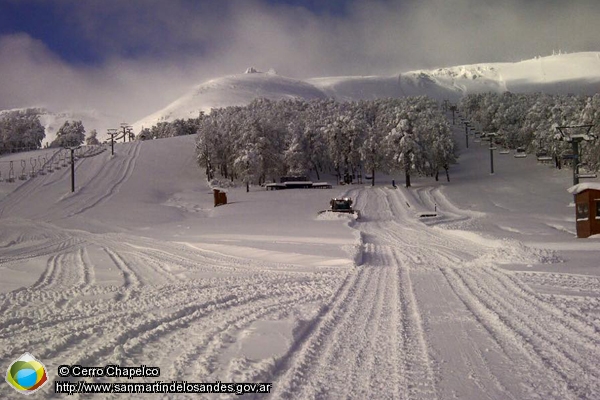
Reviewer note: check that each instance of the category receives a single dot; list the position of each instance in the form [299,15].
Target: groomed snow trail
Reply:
[430,315]
[428,312]
[159,304]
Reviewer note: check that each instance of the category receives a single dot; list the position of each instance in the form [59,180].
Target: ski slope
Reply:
[492,298]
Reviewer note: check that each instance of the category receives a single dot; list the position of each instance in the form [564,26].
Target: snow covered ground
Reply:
[492,298]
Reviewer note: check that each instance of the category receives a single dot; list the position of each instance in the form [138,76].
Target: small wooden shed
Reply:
[587,208]
[220,196]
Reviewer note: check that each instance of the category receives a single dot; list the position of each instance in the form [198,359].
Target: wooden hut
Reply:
[587,208]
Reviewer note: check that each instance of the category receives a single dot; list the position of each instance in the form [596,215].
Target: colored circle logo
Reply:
[26,375]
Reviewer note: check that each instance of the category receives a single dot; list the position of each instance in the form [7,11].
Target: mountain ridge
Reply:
[557,74]
[577,73]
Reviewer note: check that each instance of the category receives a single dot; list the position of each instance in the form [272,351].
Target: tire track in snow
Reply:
[147,330]
[353,341]
[389,356]
[39,250]
[131,280]
[88,275]
[302,365]
[564,352]
[379,349]
[548,347]
[128,169]
[579,324]
[560,345]
[219,333]
[73,325]
[49,274]
[463,340]
[572,325]
[418,366]
[526,363]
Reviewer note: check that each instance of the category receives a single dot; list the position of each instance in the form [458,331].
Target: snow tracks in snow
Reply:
[427,314]
[431,314]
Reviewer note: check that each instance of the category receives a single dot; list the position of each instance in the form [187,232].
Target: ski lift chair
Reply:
[520,152]
[23,175]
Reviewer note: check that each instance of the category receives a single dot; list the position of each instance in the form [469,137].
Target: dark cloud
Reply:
[148,52]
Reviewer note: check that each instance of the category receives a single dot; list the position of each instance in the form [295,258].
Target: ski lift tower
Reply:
[126,130]
[491,136]
[467,126]
[72,148]
[453,108]
[582,135]
[112,132]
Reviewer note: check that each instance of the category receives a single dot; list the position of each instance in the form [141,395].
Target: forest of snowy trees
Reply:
[530,121]
[269,139]
[21,130]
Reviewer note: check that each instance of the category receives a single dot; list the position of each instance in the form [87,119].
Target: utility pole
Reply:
[467,133]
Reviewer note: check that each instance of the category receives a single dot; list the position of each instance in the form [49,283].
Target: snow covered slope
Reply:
[494,297]
[231,91]
[565,73]
[374,87]
[561,74]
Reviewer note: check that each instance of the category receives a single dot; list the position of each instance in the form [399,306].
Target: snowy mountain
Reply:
[559,74]
[563,73]
[231,91]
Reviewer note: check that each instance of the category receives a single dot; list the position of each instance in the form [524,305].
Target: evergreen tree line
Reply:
[269,139]
[530,121]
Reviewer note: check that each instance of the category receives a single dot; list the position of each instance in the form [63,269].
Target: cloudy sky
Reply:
[133,57]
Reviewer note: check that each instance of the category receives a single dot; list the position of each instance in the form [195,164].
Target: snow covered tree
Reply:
[268,139]
[206,146]
[72,133]
[92,138]
[530,120]
[404,148]
[145,134]
[247,164]
[296,156]
[20,130]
